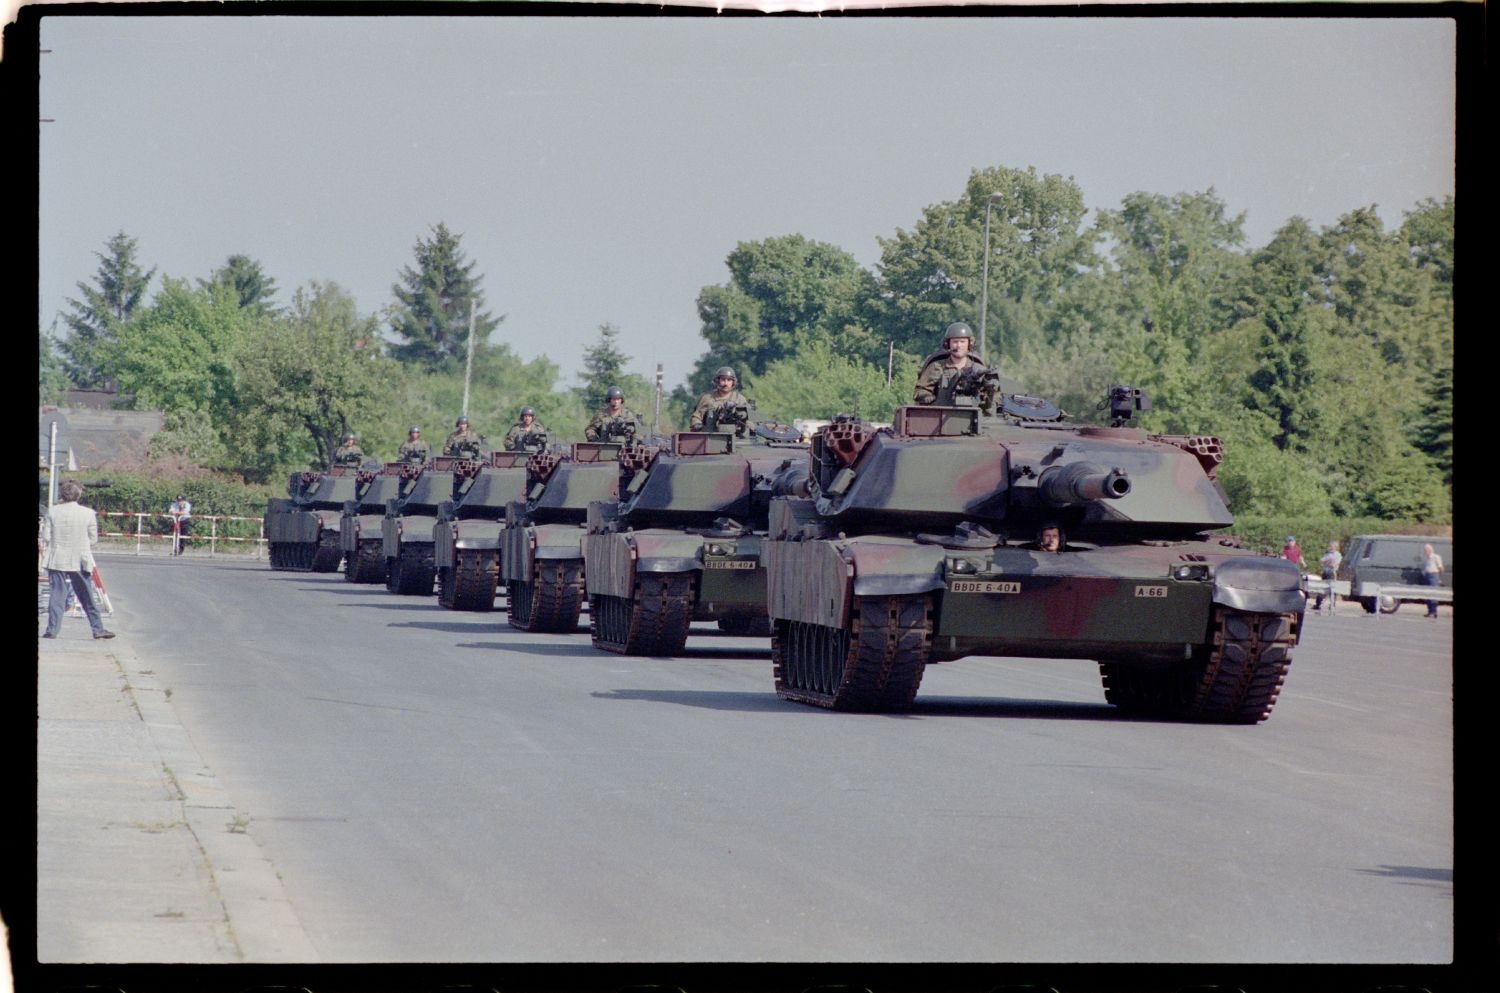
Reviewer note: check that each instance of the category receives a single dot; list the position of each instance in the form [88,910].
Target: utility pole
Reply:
[656,417]
[984,289]
[469,362]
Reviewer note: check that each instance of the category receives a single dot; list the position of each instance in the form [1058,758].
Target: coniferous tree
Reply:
[431,315]
[95,321]
[251,286]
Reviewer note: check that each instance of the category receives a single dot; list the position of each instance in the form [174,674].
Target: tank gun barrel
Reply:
[1082,482]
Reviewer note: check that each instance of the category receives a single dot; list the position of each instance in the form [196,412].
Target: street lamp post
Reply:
[984,289]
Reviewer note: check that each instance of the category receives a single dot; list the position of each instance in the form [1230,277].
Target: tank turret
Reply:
[956,533]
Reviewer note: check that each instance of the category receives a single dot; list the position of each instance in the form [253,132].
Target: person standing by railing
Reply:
[182,515]
[69,535]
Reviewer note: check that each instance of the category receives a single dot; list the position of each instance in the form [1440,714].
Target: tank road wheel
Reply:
[1234,678]
[552,601]
[367,563]
[412,572]
[393,574]
[875,664]
[746,625]
[653,622]
[327,557]
[471,582]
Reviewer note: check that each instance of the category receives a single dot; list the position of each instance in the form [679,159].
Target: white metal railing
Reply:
[1336,588]
[172,535]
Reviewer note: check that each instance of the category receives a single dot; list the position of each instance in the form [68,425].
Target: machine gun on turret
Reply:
[729,417]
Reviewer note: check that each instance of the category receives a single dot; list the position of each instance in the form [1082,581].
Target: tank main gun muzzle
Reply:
[1081,482]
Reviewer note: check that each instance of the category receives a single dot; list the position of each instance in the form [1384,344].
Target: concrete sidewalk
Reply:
[141,856]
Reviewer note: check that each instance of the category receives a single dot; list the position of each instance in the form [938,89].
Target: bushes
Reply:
[152,493]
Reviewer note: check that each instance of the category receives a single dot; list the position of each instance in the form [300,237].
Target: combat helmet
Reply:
[528,410]
[615,393]
[723,371]
[958,329]
[461,421]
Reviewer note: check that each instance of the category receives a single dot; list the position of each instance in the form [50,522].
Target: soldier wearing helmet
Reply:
[463,443]
[953,372]
[724,407]
[616,422]
[349,453]
[414,449]
[527,434]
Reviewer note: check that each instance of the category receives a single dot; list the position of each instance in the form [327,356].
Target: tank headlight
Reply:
[718,550]
[1192,572]
[963,567]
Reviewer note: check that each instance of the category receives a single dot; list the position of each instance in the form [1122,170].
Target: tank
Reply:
[407,532]
[466,537]
[302,530]
[684,541]
[542,551]
[360,536]
[919,544]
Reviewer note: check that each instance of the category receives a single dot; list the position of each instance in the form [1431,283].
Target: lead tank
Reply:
[684,541]
[466,537]
[920,544]
[302,529]
[542,558]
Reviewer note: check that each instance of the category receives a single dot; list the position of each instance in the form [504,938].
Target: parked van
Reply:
[1381,559]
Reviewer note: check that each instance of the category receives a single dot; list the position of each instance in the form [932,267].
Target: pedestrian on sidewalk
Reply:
[69,535]
[1432,574]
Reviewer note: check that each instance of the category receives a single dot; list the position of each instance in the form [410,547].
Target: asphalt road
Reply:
[437,786]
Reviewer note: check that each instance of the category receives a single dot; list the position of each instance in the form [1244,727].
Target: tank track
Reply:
[328,557]
[1234,678]
[367,564]
[875,664]
[653,622]
[470,583]
[296,557]
[552,601]
[412,571]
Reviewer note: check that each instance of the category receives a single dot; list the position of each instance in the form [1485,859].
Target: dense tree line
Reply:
[1323,360]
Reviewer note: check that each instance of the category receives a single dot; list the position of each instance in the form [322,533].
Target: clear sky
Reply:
[601,169]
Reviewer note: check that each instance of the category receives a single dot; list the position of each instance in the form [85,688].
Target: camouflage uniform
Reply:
[464,444]
[703,416]
[414,451]
[598,428]
[518,431]
[350,454]
[939,377]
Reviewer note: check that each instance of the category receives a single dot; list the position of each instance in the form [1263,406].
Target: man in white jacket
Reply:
[69,535]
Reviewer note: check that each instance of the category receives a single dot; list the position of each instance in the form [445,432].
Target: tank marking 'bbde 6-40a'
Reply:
[302,530]
[684,541]
[920,543]
[466,537]
[542,560]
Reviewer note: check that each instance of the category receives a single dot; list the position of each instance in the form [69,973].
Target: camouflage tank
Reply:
[542,559]
[408,531]
[917,546]
[466,537]
[302,530]
[360,536]
[684,541]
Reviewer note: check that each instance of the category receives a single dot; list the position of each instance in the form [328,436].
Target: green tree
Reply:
[176,354]
[247,280]
[431,313]
[95,321]
[783,293]
[818,383]
[603,367]
[52,381]
[304,380]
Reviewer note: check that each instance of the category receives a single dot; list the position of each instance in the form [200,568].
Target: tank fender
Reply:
[676,552]
[1260,585]
[895,569]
